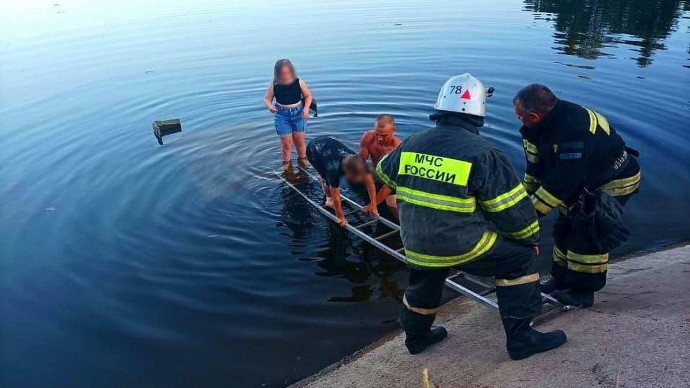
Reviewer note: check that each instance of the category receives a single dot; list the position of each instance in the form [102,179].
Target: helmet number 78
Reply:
[455,89]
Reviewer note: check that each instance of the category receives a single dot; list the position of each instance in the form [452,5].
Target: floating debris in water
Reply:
[166,127]
[212,236]
[50,209]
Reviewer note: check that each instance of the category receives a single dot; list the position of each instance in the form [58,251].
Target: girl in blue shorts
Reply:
[288,98]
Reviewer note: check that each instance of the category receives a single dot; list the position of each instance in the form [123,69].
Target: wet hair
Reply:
[535,98]
[385,119]
[353,164]
[279,66]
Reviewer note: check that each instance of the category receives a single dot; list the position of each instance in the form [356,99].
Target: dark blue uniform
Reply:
[573,149]
[326,154]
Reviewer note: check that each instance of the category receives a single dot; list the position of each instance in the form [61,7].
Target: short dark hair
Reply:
[385,119]
[279,65]
[535,98]
[354,164]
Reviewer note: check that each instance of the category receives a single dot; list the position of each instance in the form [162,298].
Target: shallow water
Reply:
[126,263]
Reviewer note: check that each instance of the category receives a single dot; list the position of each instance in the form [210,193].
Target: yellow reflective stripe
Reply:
[531,278]
[623,181]
[530,187]
[505,200]
[527,232]
[596,118]
[436,201]
[600,258]
[559,257]
[582,268]
[531,183]
[592,121]
[622,186]
[547,197]
[485,243]
[603,123]
[529,147]
[530,179]
[622,191]
[418,310]
[436,168]
[596,263]
[532,158]
[540,206]
[385,178]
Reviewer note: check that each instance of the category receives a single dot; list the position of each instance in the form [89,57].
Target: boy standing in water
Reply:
[376,143]
[333,160]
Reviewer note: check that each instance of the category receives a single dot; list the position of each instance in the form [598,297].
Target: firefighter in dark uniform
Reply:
[572,150]
[461,205]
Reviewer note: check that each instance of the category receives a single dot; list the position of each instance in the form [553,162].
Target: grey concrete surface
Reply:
[636,335]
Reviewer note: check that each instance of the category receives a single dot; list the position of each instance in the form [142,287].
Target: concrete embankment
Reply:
[636,335]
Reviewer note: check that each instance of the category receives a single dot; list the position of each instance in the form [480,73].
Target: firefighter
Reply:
[572,150]
[461,205]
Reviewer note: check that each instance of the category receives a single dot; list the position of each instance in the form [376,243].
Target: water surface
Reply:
[124,263]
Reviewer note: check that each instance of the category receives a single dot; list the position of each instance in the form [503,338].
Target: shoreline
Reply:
[646,302]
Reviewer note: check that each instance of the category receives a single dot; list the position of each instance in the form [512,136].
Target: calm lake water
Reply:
[124,263]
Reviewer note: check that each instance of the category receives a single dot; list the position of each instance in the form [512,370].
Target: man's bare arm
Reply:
[383,194]
[338,205]
[371,190]
[364,146]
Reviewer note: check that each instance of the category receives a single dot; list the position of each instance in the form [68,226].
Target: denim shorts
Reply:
[289,120]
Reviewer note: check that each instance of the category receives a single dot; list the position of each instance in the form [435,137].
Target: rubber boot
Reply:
[419,334]
[418,343]
[522,341]
[574,297]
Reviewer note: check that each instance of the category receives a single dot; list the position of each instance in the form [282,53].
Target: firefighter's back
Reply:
[433,172]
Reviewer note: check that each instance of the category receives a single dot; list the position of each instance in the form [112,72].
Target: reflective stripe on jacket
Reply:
[575,148]
[456,193]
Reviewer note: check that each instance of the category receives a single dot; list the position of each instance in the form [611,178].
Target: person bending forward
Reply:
[333,160]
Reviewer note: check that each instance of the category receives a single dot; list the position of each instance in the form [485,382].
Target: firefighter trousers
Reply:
[578,263]
[517,286]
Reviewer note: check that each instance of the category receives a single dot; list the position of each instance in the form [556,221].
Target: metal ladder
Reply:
[377,241]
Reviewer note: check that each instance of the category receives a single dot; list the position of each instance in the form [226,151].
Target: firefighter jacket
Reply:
[572,149]
[456,194]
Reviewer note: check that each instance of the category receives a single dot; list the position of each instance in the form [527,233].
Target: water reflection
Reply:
[371,273]
[585,28]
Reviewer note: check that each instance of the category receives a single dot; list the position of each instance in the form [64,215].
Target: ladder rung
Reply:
[473,279]
[351,212]
[366,224]
[479,282]
[383,236]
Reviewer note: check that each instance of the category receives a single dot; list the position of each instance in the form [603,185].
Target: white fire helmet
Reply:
[463,94]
